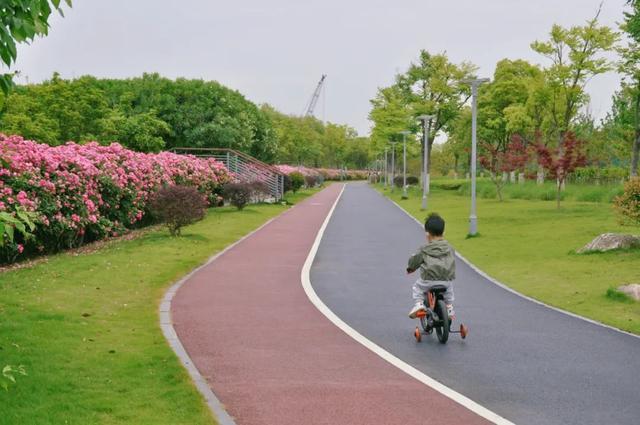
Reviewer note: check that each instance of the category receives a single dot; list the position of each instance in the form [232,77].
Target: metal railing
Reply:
[244,167]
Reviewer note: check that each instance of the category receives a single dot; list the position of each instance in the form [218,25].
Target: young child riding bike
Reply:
[436,261]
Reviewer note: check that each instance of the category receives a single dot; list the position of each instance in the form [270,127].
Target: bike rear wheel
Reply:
[442,328]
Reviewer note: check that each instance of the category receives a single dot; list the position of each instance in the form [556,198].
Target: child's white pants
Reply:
[420,287]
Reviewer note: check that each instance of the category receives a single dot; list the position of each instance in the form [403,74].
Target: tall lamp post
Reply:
[473,218]
[393,165]
[386,171]
[404,163]
[425,157]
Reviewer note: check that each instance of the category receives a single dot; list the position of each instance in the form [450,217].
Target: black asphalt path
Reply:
[526,362]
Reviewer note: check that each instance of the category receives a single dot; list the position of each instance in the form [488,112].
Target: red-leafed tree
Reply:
[560,162]
[498,161]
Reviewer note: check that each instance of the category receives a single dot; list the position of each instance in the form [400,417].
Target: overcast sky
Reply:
[275,51]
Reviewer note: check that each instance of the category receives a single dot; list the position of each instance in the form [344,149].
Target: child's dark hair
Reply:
[434,225]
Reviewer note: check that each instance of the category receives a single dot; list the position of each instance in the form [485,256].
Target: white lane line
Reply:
[405,367]
[513,291]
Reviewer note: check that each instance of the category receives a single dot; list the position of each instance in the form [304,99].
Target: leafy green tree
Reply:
[57,111]
[21,21]
[433,86]
[390,115]
[459,141]
[626,103]
[502,109]
[576,57]
[143,132]
[358,153]
[429,86]
[299,138]
[26,117]
[620,127]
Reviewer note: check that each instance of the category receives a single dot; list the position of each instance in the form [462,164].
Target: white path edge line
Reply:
[395,361]
[513,291]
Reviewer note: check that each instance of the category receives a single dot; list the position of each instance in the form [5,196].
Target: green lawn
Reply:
[529,245]
[86,329]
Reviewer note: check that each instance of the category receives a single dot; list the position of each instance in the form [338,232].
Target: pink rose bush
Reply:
[305,171]
[321,174]
[87,192]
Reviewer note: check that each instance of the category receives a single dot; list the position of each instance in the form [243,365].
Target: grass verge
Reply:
[85,326]
[530,246]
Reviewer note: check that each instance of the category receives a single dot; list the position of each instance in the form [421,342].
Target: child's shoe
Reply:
[416,308]
[450,312]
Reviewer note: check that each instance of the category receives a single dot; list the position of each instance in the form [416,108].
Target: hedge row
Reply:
[81,193]
[315,176]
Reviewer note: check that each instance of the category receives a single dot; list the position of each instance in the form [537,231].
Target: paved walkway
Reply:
[273,358]
[523,361]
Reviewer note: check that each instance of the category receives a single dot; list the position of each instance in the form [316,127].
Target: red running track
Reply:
[272,358]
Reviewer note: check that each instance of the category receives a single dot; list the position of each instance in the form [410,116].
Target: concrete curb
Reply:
[513,291]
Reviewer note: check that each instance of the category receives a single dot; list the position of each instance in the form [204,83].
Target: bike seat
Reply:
[437,289]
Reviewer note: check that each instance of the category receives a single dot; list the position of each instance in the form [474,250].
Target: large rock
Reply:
[632,290]
[610,241]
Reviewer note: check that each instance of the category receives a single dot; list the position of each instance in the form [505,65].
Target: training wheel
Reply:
[463,331]
[417,334]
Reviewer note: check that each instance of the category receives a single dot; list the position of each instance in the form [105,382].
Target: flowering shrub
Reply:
[331,173]
[318,175]
[86,192]
[305,171]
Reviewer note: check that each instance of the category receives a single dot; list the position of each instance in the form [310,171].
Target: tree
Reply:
[390,115]
[432,86]
[57,111]
[621,126]
[576,57]
[503,112]
[142,132]
[626,110]
[499,161]
[21,21]
[560,162]
[459,140]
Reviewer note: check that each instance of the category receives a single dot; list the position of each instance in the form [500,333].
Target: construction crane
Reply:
[314,98]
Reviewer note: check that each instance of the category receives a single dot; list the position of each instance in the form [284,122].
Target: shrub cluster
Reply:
[316,176]
[82,193]
[239,194]
[336,174]
[601,175]
[297,181]
[411,181]
[177,206]
[259,191]
[628,204]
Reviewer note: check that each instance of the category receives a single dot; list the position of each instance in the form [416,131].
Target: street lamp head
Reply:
[475,81]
